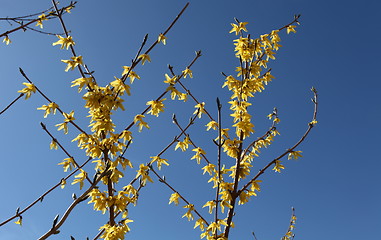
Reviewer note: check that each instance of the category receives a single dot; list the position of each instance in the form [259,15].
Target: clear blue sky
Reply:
[334,187]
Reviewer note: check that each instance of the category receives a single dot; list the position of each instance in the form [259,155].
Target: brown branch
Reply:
[54,229]
[183,130]
[63,149]
[165,92]
[6,108]
[43,195]
[50,101]
[162,180]
[23,26]
[310,126]
[59,15]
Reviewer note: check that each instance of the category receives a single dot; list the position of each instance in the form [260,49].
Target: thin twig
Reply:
[6,108]
[39,199]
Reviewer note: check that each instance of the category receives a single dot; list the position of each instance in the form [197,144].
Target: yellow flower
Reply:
[28,90]
[65,42]
[313,122]
[294,155]
[156,107]
[199,109]
[69,116]
[188,72]
[74,62]
[198,154]
[210,168]
[7,40]
[170,80]
[291,28]
[53,144]
[120,86]
[200,223]
[51,107]
[237,28]
[19,221]
[131,74]
[143,173]
[162,38]
[183,145]
[212,124]
[41,18]
[81,82]
[68,9]
[63,183]
[159,161]
[211,205]
[139,120]
[188,214]
[278,166]
[174,198]
[80,178]
[67,163]
[144,57]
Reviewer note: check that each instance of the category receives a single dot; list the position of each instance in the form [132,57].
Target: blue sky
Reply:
[334,187]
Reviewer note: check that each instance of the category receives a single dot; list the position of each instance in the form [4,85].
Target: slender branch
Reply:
[63,149]
[162,180]
[165,92]
[310,126]
[190,140]
[40,199]
[219,149]
[59,15]
[6,108]
[50,101]
[23,26]
[54,229]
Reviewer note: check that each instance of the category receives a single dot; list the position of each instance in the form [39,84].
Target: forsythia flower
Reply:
[159,161]
[120,86]
[156,107]
[143,173]
[188,72]
[81,82]
[144,58]
[294,155]
[19,221]
[65,42]
[53,144]
[198,154]
[69,116]
[212,124]
[278,166]
[237,28]
[139,119]
[211,205]
[313,122]
[170,80]
[63,183]
[7,40]
[291,28]
[41,18]
[80,178]
[188,214]
[199,109]
[174,198]
[74,62]
[183,145]
[131,74]
[67,163]
[28,90]
[51,107]
[162,38]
